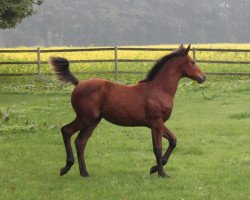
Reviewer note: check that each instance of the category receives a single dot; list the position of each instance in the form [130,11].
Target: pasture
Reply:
[211,160]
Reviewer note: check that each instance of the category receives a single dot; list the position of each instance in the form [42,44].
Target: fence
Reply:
[116,59]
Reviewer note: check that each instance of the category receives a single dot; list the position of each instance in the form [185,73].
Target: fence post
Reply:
[38,63]
[194,53]
[116,64]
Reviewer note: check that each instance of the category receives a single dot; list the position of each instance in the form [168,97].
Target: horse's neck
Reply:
[168,79]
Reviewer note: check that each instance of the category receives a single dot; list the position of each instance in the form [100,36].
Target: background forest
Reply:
[130,22]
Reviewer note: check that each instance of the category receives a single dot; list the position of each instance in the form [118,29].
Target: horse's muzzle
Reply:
[201,79]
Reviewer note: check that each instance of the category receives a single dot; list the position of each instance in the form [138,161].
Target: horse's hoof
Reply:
[153,169]
[163,175]
[64,170]
[84,174]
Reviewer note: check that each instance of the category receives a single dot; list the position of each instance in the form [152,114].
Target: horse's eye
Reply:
[193,63]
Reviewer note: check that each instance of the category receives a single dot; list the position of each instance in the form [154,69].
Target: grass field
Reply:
[211,161]
[211,122]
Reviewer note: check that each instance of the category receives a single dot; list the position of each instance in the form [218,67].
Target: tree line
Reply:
[128,22]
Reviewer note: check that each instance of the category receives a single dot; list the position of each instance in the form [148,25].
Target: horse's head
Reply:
[189,68]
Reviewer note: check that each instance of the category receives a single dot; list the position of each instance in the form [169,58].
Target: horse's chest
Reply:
[161,108]
[166,113]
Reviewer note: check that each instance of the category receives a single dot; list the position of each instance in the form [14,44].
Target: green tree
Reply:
[12,12]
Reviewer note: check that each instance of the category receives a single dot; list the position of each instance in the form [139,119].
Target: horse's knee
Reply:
[63,130]
[173,142]
[67,132]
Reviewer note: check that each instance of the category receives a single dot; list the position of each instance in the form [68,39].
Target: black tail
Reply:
[61,69]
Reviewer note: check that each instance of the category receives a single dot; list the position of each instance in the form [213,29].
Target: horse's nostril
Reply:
[201,79]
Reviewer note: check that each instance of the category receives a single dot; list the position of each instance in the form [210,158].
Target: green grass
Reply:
[211,161]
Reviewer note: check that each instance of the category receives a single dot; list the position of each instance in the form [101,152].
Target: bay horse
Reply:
[148,103]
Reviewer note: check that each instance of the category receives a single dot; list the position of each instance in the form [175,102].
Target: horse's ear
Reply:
[188,49]
[181,46]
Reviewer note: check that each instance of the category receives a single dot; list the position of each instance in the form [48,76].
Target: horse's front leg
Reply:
[157,130]
[172,144]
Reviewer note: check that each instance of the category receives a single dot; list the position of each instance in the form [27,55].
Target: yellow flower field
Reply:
[131,54]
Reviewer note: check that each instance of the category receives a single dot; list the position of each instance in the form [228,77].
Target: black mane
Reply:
[160,63]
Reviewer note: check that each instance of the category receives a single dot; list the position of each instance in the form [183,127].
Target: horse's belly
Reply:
[124,120]
[125,115]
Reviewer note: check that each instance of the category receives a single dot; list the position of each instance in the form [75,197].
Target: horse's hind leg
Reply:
[67,132]
[80,143]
